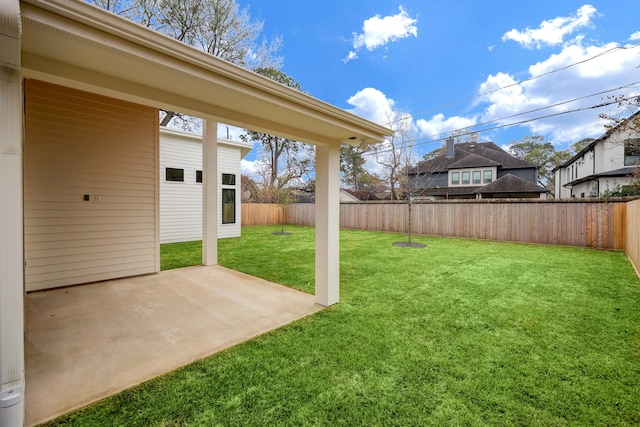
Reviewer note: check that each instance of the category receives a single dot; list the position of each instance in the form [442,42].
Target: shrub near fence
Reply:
[587,223]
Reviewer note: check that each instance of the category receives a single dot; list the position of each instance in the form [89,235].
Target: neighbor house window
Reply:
[198,176]
[632,152]
[476,177]
[228,205]
[173,174]
[455,178]
[465,177]
[488,177]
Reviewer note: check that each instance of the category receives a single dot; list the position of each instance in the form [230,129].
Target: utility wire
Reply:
[437,138]
[519,83]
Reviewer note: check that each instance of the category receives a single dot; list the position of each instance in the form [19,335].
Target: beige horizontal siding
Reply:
[75,144]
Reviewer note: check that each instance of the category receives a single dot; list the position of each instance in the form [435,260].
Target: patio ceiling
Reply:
[76,44]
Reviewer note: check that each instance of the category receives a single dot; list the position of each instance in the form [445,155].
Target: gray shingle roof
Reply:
[511,184]
[471,155]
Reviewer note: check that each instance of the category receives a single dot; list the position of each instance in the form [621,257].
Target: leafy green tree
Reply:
[577,147]
[536,150]
[351,166]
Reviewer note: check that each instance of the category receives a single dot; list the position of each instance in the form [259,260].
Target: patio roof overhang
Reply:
[72,43]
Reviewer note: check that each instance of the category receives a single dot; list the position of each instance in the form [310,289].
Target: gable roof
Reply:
[471,155]
[595,142]
[472,161]
[361,194]
[511,184]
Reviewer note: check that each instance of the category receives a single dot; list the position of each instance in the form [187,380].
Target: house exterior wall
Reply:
[181,202]
[229,163]
[436,179]
[529,174]
[81,145]
[482,183]
[607,155]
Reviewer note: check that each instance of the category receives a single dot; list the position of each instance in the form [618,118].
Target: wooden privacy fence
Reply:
[633,233]
[597,224]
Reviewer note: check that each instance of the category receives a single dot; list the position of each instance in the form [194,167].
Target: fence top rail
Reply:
[494,201]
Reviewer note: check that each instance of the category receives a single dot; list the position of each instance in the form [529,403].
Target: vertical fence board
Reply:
[609,225]
[631,221]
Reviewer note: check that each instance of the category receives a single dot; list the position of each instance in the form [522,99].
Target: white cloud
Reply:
[249,167]
[635,36]
[552,32]
[610,69]
[372,104]
[438,125]
[379,31]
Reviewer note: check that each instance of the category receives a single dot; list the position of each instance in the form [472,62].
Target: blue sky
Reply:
[432,59]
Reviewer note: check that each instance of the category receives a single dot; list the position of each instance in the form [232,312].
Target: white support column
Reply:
[327,224]
[210,193]
[11,216]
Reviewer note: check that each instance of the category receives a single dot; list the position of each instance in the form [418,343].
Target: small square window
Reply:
[198,176]
[476,177]
[488,177]
[228,179]
[173,174]
[455,178]
[465,177]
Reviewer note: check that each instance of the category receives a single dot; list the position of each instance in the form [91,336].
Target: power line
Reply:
[519,83]
[437,138]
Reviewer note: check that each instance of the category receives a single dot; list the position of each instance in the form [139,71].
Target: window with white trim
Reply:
[174,174]
[228,198]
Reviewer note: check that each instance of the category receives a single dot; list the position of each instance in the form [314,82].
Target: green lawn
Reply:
[462,332]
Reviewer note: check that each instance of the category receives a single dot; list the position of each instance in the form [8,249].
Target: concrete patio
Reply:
[87,342]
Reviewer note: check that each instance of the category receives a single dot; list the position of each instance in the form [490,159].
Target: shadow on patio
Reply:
[87,342]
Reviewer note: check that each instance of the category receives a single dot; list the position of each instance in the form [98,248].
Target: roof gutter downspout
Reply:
[12,378]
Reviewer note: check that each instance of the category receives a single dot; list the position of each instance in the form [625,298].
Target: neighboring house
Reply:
[301,195]
[347,195]
[181,186]
[80,93]
[607,164]
[475,170]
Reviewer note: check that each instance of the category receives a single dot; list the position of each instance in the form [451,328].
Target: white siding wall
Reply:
[610,154]
[228,162]
[80,144]
[181,202]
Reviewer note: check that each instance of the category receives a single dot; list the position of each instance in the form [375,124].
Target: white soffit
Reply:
[76,44]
